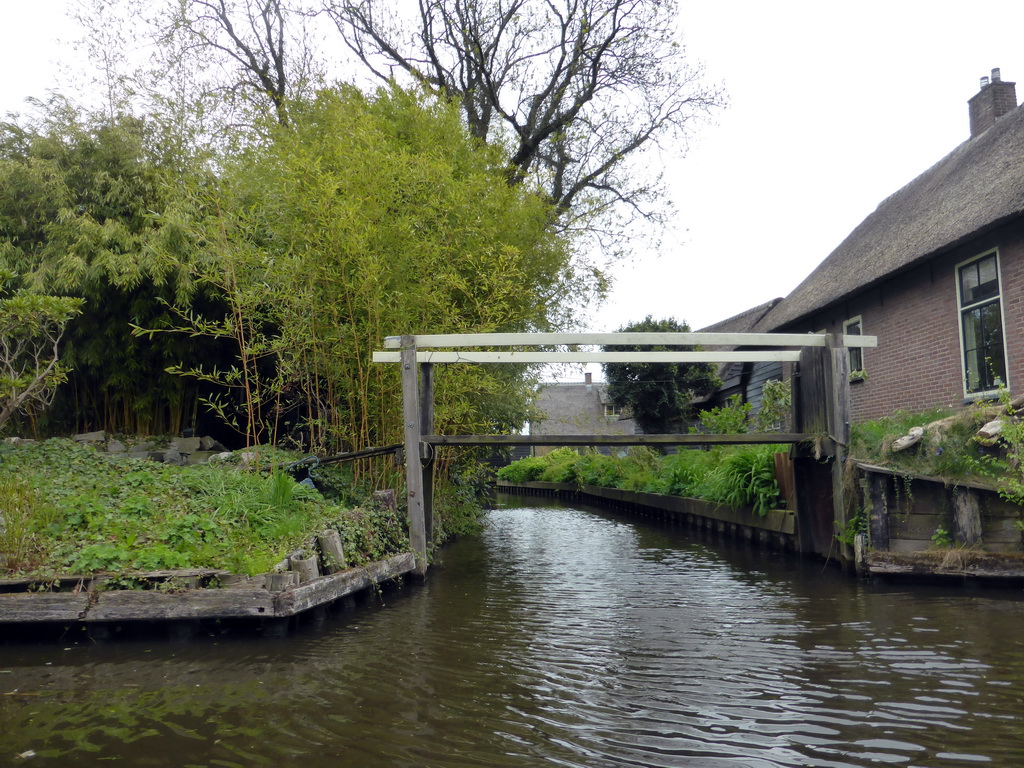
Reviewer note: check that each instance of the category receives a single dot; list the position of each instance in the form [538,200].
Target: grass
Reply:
[947,449]
[739,476]
[69,509]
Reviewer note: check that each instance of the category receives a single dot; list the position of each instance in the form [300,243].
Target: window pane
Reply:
[968,283]
[988,280]
[984,362]
[979,281]
[973,365]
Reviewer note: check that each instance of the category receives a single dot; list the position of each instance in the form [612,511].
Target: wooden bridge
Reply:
[819,377]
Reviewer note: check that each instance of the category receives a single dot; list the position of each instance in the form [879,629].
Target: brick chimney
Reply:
[995,99]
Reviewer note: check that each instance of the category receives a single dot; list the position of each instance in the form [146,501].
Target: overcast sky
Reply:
[833,107]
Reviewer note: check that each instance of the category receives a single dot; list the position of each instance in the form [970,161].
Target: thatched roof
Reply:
[977,187]
[744,322]
[576,409]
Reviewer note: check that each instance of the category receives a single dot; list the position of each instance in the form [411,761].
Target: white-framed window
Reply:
[612,412]
[979,297]
[854,327]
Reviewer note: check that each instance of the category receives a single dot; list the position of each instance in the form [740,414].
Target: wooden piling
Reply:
[413,466]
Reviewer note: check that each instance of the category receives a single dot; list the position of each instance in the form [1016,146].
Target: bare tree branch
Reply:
[253,35]
[573,88]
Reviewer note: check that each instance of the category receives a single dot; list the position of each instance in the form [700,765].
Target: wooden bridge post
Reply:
[413,465]
[821,406]
[427,427]
[839,434]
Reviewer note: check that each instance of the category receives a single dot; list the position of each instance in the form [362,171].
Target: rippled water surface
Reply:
[559,637]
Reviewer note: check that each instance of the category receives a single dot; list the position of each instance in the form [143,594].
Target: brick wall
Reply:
[990,103]
[917,365]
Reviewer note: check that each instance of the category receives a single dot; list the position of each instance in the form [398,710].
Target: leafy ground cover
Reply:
[735,475]
[70,509]
[948,447]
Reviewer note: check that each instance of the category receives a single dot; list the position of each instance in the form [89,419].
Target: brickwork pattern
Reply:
[917,365]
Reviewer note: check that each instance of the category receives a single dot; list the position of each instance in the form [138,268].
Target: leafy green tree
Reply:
[659,395]
[82,200]
[31,328]
[366,217]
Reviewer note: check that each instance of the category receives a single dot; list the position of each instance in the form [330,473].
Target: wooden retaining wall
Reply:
[919,527]
[89,604]
[776,529]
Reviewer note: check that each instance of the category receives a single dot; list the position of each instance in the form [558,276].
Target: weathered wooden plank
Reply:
[778,521]
[151,605]
[70,581]
[324,590]
[966,516]
[413,469]
[909,545]
[877,493]
[956,563]
[602,339]
[327,589]
[42,606]
[532,358]
[746,439]
[963,482]
[1000,529]
[427,426]
[921,527]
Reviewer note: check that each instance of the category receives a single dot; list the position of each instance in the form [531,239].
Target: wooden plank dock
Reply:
[87,602]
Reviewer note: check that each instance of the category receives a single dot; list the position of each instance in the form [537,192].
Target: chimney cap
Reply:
[984,82]
[996,75]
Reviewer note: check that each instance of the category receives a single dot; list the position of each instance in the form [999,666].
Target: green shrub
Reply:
[524,470]
[729,419]
[740,476]
[746,477]
[561,466]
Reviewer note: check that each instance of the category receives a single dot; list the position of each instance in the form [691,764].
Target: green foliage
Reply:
[942,538]
[560,466]
[31,328]
[524,470]
[729,419]
[1008,468]
[947,449]
[855,525]
[120,515]
[82,199]
[739,476]
[658,395]
[25,516]
[776,406]
[746,477]
[369,217]
[457,499]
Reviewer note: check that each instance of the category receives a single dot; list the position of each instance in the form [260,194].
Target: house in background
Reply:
[744,379]
[936,272]
[577,408]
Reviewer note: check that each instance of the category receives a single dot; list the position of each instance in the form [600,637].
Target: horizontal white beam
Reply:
[665,339]
[783,356]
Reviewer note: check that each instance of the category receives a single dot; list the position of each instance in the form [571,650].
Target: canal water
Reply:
[560,637]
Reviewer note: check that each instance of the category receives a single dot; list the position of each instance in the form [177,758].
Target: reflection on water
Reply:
[560,637]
